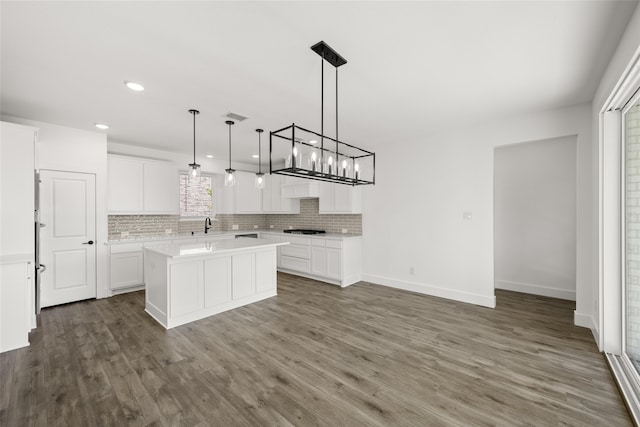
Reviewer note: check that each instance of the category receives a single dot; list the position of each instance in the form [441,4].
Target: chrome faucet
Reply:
[207,225]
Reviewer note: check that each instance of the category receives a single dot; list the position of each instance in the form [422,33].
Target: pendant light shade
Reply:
[260,176]
[194,168]
[230,175]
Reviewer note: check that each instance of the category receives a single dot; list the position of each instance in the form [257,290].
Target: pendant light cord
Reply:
[322,111]
[337,139]
[194,136]
[259,152]
[229,144]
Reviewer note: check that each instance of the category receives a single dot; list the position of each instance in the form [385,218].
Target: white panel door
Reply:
[67,241]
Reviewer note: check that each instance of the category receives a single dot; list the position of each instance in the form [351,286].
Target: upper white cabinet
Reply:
[339,199]
[142,186]
[248,198]
[272,200]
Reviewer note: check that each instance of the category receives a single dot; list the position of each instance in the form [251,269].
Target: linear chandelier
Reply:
[296,151]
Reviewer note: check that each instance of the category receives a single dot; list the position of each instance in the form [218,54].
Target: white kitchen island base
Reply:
[184,283]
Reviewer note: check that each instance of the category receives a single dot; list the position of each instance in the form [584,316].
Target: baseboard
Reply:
[422,288]
[595,331]
[582,320]
[528,288]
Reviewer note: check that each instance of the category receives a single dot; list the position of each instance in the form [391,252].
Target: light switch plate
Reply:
[167,231]
[344,231]
[124,234]
[255,226]
[467,216]
[234,227]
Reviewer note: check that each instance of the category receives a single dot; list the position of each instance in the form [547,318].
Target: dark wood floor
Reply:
[314,355]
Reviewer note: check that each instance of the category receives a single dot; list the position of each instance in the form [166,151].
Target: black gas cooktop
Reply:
[303,231]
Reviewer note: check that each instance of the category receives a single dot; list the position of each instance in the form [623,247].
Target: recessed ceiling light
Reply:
[255,156]
[210,156]
[134,86]
[101,126]
[313,141]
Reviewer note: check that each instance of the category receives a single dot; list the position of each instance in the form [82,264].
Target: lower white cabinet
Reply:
[127,265]
[127,270]
[332,260]
[16,304]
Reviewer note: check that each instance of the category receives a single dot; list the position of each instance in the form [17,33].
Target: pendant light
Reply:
[259,176]
[194,168]
[230,176]
[333,160]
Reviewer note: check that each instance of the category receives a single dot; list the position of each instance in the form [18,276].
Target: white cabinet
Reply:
[161,188]
[299,188]
[332,260]
[272,200]
[126,270]
[142,186]
[248,198]
[16,304]
[339,199]
[127,266]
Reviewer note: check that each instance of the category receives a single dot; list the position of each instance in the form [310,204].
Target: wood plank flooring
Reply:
[314,355]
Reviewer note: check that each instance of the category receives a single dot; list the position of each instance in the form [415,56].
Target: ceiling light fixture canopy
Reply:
[194,168]
[296,152]
[230,175]
[259,176]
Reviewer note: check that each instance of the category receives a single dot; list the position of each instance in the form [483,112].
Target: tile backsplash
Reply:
[158,225]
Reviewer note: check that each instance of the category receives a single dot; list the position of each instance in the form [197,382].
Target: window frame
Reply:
[213,178]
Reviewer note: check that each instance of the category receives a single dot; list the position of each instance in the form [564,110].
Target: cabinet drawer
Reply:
[296,239]
[297,264]
[126,247]
[318,242]
[297,251]
[334,243]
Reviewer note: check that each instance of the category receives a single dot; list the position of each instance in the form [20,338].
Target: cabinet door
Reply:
[124,185]
[126,270]
[326,204]
[318,260]
[244,278]
[334,263]
[186,291]
[248,197]
[266,271]
[217,281]
[161,188]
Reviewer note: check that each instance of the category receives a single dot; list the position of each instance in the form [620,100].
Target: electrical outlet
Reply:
[167,231]
[255,226]
[344,231]
[124,234]
[271,226]
[291,227]
[234,227]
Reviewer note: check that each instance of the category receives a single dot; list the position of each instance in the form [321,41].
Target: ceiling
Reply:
[413,67]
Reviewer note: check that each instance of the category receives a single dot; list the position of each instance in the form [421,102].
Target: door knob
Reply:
[90,242]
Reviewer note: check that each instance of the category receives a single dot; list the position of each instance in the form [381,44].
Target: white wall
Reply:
[68,149]
[606,324]
[535,217]
[413,216]
[16,189]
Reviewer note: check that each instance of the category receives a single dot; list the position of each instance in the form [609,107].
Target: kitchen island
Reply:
[188,282]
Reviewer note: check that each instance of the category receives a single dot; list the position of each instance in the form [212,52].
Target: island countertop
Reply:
[219,247]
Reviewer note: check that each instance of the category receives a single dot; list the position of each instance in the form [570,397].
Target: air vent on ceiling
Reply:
[234,116]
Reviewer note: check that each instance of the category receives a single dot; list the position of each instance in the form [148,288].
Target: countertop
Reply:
[188,235]
[219,247]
